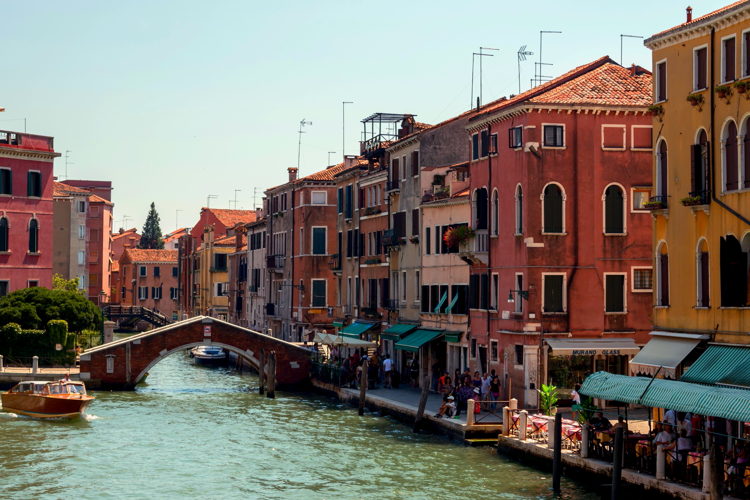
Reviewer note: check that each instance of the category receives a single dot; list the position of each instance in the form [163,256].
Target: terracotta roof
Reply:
[115,266]
[329,173]
[464,192]
[225,240]
[600,82]
[232,217]
[698,20]
[98,199]
[62,189]
[127,232]
[148,255]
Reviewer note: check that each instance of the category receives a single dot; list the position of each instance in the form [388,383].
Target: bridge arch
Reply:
[123,363]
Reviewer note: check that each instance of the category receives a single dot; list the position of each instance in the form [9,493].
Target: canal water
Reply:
[198,432]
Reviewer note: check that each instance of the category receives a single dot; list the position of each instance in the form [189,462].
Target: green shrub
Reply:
[57,330]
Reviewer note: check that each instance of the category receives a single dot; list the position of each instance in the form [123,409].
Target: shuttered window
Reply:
[318,293]
[553,209]
[614,210]
[730,158]
[33,236]
[615,293]
[728,60]
[475,147]
[703,294]
[34,184]
[699,71]
[3,234]
[663,299]
[415,163]
[427,241]
[319,240]
[399,224]
[553,293]
[6,181]
[415,222]
[661,81]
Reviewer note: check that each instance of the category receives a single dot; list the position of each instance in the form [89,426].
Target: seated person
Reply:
[448,408]
[600,423]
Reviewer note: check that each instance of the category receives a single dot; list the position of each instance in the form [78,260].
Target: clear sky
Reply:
[176,100]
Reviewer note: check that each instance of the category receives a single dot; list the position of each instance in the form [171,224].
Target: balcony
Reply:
[697,198]
[656,203]
[26,141]
[334,262]
[393,185]
[390,239]
[371,313]
[481,241]
[275,262]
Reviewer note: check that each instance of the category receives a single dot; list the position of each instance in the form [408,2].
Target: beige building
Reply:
[70,207]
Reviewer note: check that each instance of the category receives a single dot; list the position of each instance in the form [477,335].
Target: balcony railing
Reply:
[275,262]
[697,198]
[334,262]
[656,203]
[481,241]
[26,141]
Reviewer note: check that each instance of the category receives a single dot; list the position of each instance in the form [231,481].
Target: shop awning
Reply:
[338,324]
[453,335]
[725,402]
[417,339]
[666,351]
[339,340]
[721,364]
[356,329]
[395,332]
[591,347]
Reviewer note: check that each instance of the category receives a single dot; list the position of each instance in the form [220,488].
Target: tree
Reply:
[151,236]
[33,307]
[60,283]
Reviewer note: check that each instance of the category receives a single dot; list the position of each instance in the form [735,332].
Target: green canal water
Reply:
[194,432]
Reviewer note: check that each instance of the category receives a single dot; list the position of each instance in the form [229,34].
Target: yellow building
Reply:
[213,274]
[701,192]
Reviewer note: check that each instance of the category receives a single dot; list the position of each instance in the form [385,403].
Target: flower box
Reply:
[456,235]
[742,87]
[691,201]
[654,205]
[695,99]
[723,91]
[656,109]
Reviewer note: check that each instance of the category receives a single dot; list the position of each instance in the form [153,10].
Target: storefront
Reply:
[361,330]
[667,354]
[458,352]
[569,361]
[423,354]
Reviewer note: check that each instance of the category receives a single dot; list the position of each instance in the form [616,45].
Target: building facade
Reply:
[149,279]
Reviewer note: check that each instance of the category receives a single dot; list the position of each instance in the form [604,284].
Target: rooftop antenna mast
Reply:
[522,53]
[302,123]
[67,162]
[235,197]
[343,126]
[125,219]
[474,55]
[209,198]
[622,62]
[329,157]
[177,219]
[541,62]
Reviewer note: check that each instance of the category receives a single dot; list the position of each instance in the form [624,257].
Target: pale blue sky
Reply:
[173,101]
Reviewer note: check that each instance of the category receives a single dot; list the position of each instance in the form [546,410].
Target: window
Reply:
[81,207]
[614,291]
[484,146]
[34,184]
[427,241]
[319,240]
[403,286]
[733,271]
[340,200]
[494,351]
[319,198]
[640,196]
[220,289]
[33,283]
[515,137]
[142,292]
[661,173]
[399,224]
[517,299]
[395,173]
[6,181]
[554,136]
[495,213]
[662,275]
[81,232]
[519,210]
[494,292]
[554,209]
[220,262]
[348,202]
[173,293]
[142,271]
[480,209]
[415,222]
[473,349]
[415,163]
[460,294]
[33,236]
[700,68]
[175,271]
[744,180]
[701,273]
[417,285]
[110,363]
[4,241]
[81,257]
[4,288]
[519,354]
[661,81]
[318,293]
[554,293]
[729,156]
[614,210]
[475,147]
[157,271]
[728,62]
[700,165]
[643,279]
[156,292]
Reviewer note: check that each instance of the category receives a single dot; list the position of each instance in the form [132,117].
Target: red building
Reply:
[561,275]
[26,165]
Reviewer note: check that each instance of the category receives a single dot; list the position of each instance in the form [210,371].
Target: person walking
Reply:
[387,369]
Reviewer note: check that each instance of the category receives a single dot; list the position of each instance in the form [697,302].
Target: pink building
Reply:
[26,164]
[149,279]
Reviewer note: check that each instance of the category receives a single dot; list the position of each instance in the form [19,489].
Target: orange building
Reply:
[149,279]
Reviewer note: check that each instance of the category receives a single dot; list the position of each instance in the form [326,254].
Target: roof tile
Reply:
[150,255]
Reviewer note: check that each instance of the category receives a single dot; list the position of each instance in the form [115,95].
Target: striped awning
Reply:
[356,329]
[721,364]
[395,332]
[417,339]
[724,402]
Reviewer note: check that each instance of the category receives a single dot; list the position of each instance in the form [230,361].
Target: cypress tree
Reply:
[151,235]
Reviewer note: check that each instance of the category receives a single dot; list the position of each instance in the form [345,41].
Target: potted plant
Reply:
[695,99]
[656,109]
[414,239]
[654,205]
[456,235]
[584,411]
[548,398]
[742,86]
[724,91]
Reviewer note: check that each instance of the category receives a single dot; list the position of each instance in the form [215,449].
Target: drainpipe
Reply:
[713,136]
[489,232]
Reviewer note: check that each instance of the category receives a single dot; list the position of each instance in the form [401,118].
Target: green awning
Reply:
[337,324]
[417,339]
[721,364]
[453,336]
[395,332]
[724,402]
[356,329]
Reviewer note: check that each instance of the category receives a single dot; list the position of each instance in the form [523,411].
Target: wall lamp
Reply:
[524,294]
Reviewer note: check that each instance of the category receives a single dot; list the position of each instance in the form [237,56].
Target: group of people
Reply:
[380,369]
[457,391]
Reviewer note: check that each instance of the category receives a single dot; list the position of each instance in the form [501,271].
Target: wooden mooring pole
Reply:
[716,487]
[271,388]
[557,455]
[422,403]
[262,372]
[363,387]
[617,463]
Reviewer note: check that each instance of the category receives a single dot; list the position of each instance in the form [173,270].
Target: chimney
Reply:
[292,173]
[689,12]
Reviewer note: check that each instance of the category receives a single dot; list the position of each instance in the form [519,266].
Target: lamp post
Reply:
[524,294]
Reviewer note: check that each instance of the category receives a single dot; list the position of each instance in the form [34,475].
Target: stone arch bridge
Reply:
[121,364]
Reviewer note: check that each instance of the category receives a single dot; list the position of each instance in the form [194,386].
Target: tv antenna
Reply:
[302,123]
[522,53]
[235,197]
[177,219]
[125,219]
[343,126]
[329,157]
[474,55]
[67,162]
[541,63]
[622,63]
[209,198]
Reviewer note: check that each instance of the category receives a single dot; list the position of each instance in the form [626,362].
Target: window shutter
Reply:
[664,279]
[661,82]
[704,298]
[415,163]
[730,155]
[427,241]
[553,209]
[615,300]
[729,62]
[613,210]
[700,73]
[484,294]
[415,222]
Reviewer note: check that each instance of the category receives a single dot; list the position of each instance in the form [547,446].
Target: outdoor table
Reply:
[538,427]
[571,433]
[643,448]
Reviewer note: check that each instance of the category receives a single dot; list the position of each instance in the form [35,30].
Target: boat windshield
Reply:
[66,388]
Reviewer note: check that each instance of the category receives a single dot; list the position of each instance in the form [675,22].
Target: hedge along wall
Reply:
[19,345]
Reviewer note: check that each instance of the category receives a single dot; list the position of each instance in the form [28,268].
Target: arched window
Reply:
[733,272]
[700,157]
[662,275]
[33,236]
[519,210]
[746,153]
[614,210]
[701,274]
[729,156]
[480,209]
[495,213]
[3,234]
[661,173]
[552,200]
